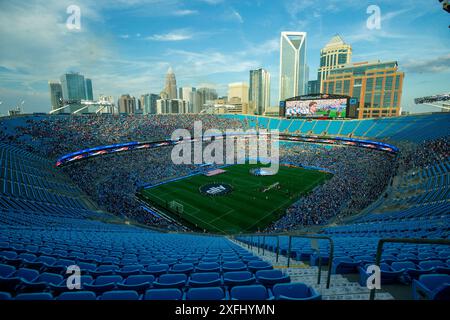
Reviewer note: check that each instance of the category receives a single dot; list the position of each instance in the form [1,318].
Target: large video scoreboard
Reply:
[317,106]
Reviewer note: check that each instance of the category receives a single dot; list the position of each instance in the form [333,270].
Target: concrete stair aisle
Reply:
[341,288]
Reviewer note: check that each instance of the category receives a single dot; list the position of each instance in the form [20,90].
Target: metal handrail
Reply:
[331,251]
[381,242]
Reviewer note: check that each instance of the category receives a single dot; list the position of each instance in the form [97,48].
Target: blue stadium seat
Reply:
[238,278]
[120,295]
[234,266]
[432,287]
[205,279]
[254,266]
[62,287]
[186,268]
[210,293]
[139,283]
[128,270]
[6,271]
[208,267]
[251,292]
[5,296]
[157,269]
[77,295]
[271,277]
[34,296]
[294,291]
[170,281]
[344,265]
[103,283]
[42,282]
[163,294]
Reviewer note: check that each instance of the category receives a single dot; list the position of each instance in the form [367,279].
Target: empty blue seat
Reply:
[34,296]
[344,266]
[132,269]
[170,281]
[251,292]
[208,267]
[211,293]
[163,294]
[120,295]
[103,283]
[234,266]
[139,283]
[388,275]
[62,287]
[42,282]
[238,278]
[205,279]
[432,287]
[254,266]
[431,264]
[186,268]
[157,269]
[271,277]
[5,296]
[294,291]
[6,270]
[77,295]
[105,269]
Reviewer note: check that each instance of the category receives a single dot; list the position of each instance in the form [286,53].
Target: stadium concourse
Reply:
[86,214]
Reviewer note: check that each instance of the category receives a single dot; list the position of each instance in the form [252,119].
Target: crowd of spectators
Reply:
[359,175]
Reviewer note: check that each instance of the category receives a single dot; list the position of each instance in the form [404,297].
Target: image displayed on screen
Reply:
[333,108]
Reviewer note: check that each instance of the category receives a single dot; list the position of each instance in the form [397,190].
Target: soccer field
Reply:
[245,209]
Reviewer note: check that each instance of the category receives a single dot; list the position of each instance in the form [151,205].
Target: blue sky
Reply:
[127,46]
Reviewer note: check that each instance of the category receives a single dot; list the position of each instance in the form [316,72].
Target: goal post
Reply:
[176,206]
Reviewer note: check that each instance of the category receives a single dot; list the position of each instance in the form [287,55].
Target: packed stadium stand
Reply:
[51,220]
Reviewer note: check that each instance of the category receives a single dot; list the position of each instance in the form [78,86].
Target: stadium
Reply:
[100,193]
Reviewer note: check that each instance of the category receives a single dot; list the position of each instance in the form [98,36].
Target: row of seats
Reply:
[291,291]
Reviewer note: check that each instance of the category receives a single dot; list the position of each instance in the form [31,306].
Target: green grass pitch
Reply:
[246,208]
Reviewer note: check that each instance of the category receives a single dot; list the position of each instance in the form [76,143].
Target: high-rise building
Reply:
[238,91]
[336,54]
[174,106]
[73,86]
[89,91]
[293,69]
[149,105]
[206,95]
[259,90]
[56,94]
[127,104]
[376,85]
[190,95]
[171,84]
[313,87]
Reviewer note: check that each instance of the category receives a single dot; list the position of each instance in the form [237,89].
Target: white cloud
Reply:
[175,35]
[185,12]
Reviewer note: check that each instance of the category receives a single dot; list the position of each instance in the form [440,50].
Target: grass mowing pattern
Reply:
[246,208]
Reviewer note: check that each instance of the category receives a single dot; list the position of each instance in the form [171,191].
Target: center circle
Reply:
[216,189]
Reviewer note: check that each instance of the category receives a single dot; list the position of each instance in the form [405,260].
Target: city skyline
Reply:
[243,36]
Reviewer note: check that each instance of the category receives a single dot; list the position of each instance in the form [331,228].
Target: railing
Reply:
[290,236]
[381,242]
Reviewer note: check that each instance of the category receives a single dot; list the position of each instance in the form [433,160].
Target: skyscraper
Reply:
[171,84]
[293,70]
[336,54]
[56,94]
[238,92]
[259,90]
[376,86]
[206,95]
[190,95]
[149,104]
[127,104]
[73,86]
[89,91]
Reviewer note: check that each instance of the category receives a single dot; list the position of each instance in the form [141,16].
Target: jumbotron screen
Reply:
[333,108]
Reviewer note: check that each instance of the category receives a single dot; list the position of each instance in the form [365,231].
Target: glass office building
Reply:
[376,85]
[293,69]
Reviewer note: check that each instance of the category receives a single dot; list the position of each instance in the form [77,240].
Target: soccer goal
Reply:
[176,206]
